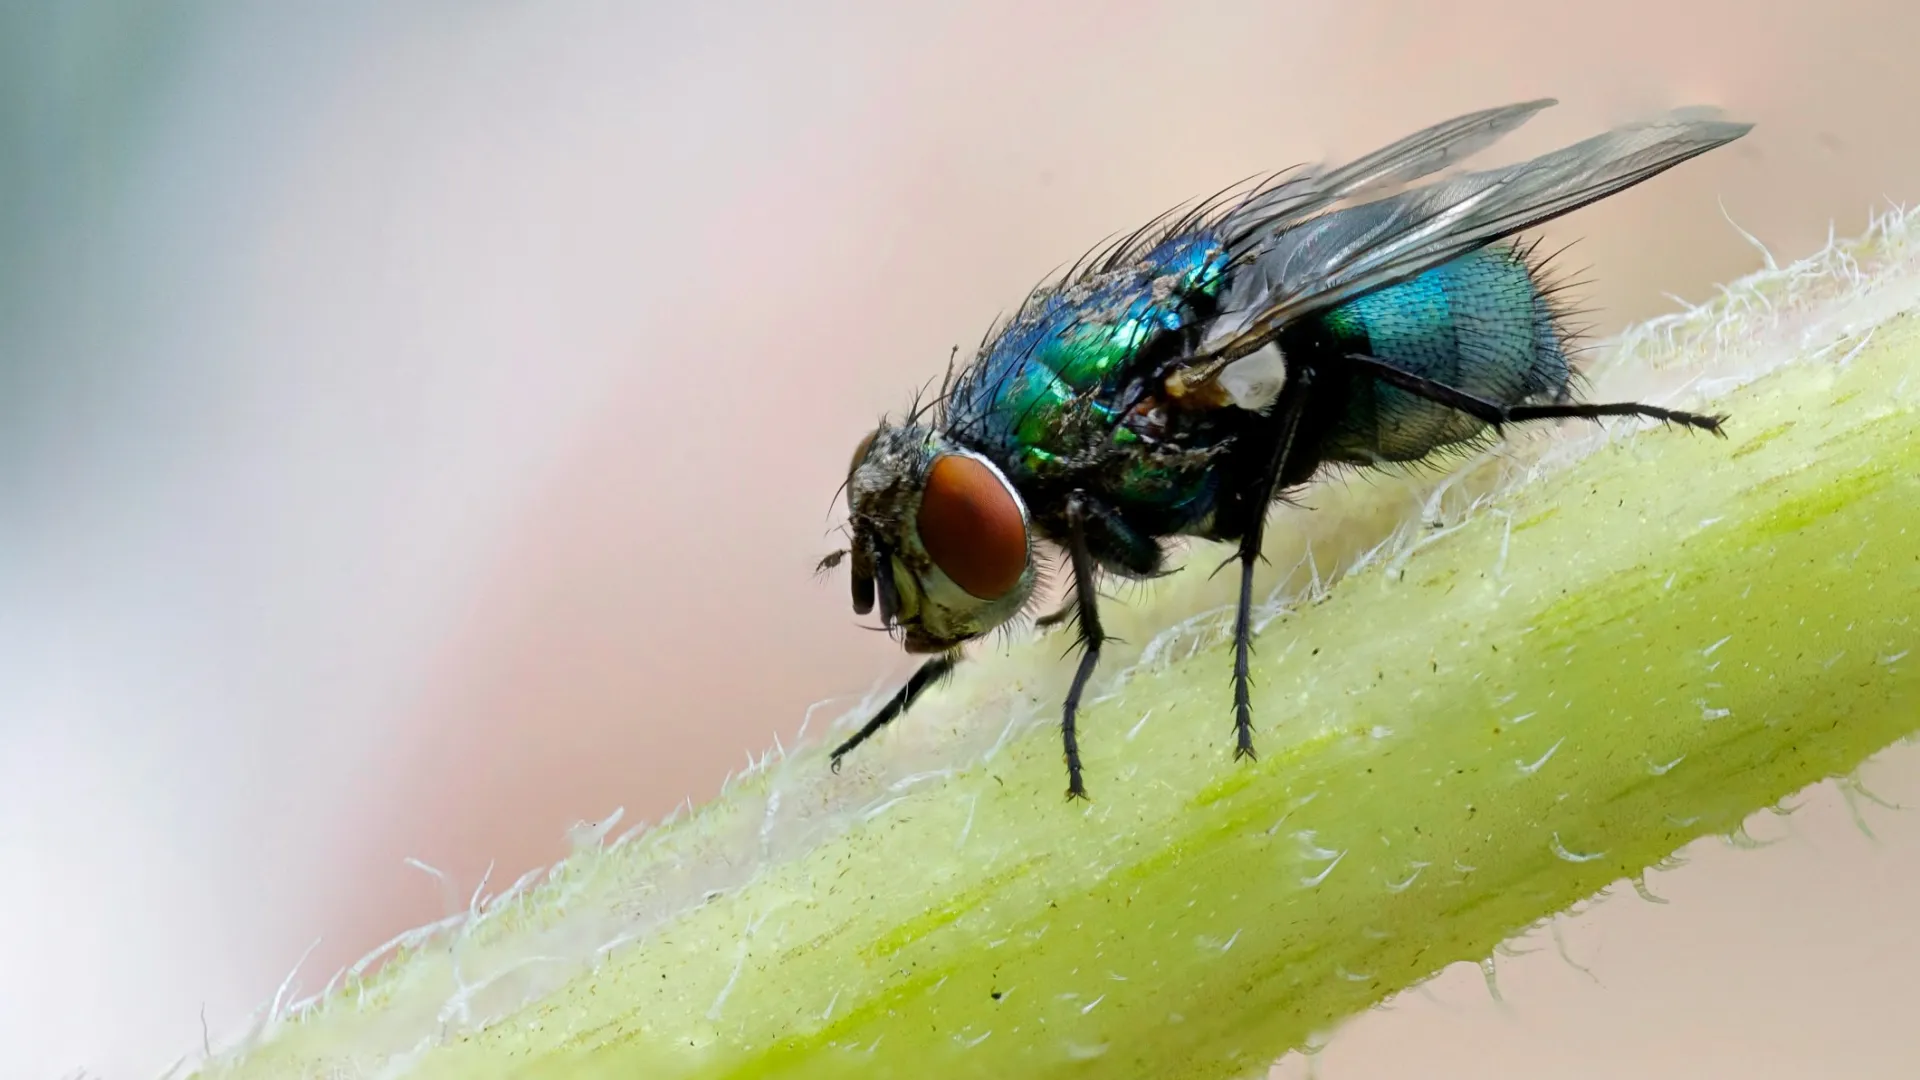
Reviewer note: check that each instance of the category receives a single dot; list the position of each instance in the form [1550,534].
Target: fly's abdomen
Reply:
[1482,324]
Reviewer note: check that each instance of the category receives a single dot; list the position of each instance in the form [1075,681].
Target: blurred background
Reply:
[418,423]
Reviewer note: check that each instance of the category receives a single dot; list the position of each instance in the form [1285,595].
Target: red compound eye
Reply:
[971,527]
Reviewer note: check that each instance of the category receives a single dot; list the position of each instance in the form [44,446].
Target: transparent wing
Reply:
[1288,267]
[1420,154]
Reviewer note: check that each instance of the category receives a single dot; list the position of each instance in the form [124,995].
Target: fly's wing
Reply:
[1420,154]
[1278,204]
[1286,268]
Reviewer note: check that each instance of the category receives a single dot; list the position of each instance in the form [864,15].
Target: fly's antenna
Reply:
[832,561]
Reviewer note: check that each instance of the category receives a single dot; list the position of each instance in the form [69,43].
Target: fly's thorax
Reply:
[941,538]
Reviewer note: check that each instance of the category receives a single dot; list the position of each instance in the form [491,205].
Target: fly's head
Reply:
[941,540]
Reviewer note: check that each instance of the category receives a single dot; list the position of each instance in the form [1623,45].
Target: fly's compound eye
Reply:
[972,528]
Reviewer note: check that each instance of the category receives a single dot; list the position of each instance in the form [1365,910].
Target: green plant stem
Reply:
[1638,650]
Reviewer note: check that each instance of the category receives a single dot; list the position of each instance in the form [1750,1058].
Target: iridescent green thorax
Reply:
[1042,392]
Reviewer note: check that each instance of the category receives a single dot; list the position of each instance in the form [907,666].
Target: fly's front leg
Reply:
[1288,413]
[928,674]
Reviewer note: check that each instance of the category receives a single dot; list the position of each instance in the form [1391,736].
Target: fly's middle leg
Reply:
[1086,604]
[1288,413]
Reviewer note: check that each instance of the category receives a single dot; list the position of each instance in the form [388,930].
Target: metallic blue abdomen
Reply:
[1481,324]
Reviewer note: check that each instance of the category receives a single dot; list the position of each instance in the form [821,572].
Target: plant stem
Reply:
[1541,701]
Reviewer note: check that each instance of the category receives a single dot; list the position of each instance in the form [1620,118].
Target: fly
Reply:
[1177,382]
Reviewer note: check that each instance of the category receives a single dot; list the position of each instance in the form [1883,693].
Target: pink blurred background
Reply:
[418,424]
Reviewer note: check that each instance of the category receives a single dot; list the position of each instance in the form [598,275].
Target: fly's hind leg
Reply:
[1498,415]
[1287,414]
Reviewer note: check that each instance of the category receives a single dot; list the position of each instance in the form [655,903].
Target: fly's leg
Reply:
[1292,405]
[1086,603]
[929,673]
[1096,537]
[1115,546]
[1048,622]
[1495,414]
